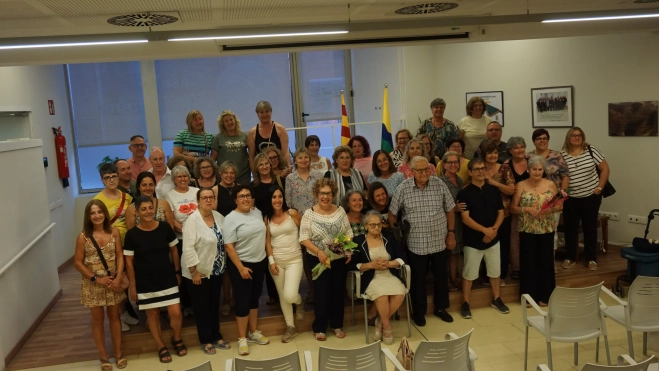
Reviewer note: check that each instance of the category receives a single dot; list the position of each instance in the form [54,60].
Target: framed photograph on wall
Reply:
[634,119]
[553,107]
[494,101]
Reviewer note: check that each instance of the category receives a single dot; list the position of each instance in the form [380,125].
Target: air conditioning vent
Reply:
[142,20]
[427,8]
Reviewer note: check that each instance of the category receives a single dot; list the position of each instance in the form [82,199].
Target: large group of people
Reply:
[238,203]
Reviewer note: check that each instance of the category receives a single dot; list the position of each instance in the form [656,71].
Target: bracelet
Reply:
[271,259]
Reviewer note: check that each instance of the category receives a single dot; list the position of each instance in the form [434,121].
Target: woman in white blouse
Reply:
[473,127]
[203,264]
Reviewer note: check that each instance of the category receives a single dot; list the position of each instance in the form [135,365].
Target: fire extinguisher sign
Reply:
[51,107]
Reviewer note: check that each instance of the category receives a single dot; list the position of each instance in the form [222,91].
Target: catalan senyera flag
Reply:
[345,129]
[386,144]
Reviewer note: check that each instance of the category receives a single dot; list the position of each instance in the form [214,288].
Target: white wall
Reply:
[33,86]
[602,69]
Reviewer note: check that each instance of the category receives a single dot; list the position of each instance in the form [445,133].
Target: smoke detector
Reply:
[426,8]
[142,20]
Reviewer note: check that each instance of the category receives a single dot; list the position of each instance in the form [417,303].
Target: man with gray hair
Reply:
[438,128]
[494,132]
[428,210]
[138,162]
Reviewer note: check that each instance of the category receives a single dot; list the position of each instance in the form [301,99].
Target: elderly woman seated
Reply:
[378,258]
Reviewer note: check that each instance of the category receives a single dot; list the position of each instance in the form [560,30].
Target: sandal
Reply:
[339,333]
[106,365]
[121,361]
[378,330]
[163,353]
[179,347]
[224,345]
[388,339]
[208,349]
[320,336]
[515,275]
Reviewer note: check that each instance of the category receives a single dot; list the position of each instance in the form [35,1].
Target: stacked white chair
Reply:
[454,354]
[631,366]
[368,358]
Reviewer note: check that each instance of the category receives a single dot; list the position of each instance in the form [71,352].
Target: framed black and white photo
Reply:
[494,101]
[553,107]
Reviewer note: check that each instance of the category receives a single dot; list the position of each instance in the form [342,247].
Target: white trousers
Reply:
[288,285]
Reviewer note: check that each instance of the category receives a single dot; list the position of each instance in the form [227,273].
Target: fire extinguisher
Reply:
[62,160]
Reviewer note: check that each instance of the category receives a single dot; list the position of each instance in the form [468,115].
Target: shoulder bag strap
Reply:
[100,254]
[119,209]
[593,157]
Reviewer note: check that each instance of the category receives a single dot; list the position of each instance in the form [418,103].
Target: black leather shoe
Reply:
[420,321]
[443,315]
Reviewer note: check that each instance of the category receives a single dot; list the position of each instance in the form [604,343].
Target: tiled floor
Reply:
[498,340]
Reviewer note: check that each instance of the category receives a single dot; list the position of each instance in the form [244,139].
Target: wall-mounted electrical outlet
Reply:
[637,219]
[612,216]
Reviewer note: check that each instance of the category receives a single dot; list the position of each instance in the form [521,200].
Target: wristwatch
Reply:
[93,279]
[598,188]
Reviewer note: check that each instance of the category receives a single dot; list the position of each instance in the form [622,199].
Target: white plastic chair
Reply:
[574,315]
[289,362]
[368,358]
[640,312]
[631,366]
[356,283]
[206,366]
[454,354]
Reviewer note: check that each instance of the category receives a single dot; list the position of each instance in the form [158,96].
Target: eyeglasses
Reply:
[576,135]
[325,193]
[182,176]
[243,197]
[402,139]
[205,167]
[452,162]
[374,225]
[424,170]
[478,169]
[111,178]
[207,198]
[138,145]
[542,139]
[273,158]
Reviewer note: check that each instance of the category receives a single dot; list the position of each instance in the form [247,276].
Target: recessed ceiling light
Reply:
[257,36]
[28,46]
[601,18]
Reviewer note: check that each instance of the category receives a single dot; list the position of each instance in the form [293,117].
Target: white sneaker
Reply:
[124,327]
[127,319]
[243,348]
[257,337]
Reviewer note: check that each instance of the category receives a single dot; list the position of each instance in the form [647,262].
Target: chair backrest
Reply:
[289,362]
[368,358]
[206,366]
[449,355]
[644,299]
[574,309]
[643,366]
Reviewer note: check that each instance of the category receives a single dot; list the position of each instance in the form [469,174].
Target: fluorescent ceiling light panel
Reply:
[28,46]
[258,36]
[601,18]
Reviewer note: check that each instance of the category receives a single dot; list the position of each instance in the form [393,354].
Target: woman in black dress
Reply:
[154,272]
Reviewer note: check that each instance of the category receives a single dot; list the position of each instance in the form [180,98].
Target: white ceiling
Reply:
[39,21]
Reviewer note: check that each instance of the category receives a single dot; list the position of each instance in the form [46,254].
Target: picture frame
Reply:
[553,107]
[634,119]
[494,101]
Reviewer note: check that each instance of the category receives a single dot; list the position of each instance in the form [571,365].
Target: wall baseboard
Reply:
[65,265]
[14,351]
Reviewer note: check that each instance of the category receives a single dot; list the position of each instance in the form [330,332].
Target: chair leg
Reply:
[352,297]
[409,316]
[597,349]
[631,344]
[549,358]
[366,320]
[576,354]
[606,345]
[526,347]
[645,343]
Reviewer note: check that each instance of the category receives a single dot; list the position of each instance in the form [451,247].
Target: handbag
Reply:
[405,354]
[124,280]
[608,189]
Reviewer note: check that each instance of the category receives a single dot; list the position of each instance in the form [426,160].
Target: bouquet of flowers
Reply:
[558,199]
[341,246]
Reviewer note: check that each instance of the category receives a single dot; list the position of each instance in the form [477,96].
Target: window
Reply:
[107,109]
[212,85]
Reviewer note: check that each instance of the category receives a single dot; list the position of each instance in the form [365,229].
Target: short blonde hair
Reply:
[220,121]
[191,116]
[298,152]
